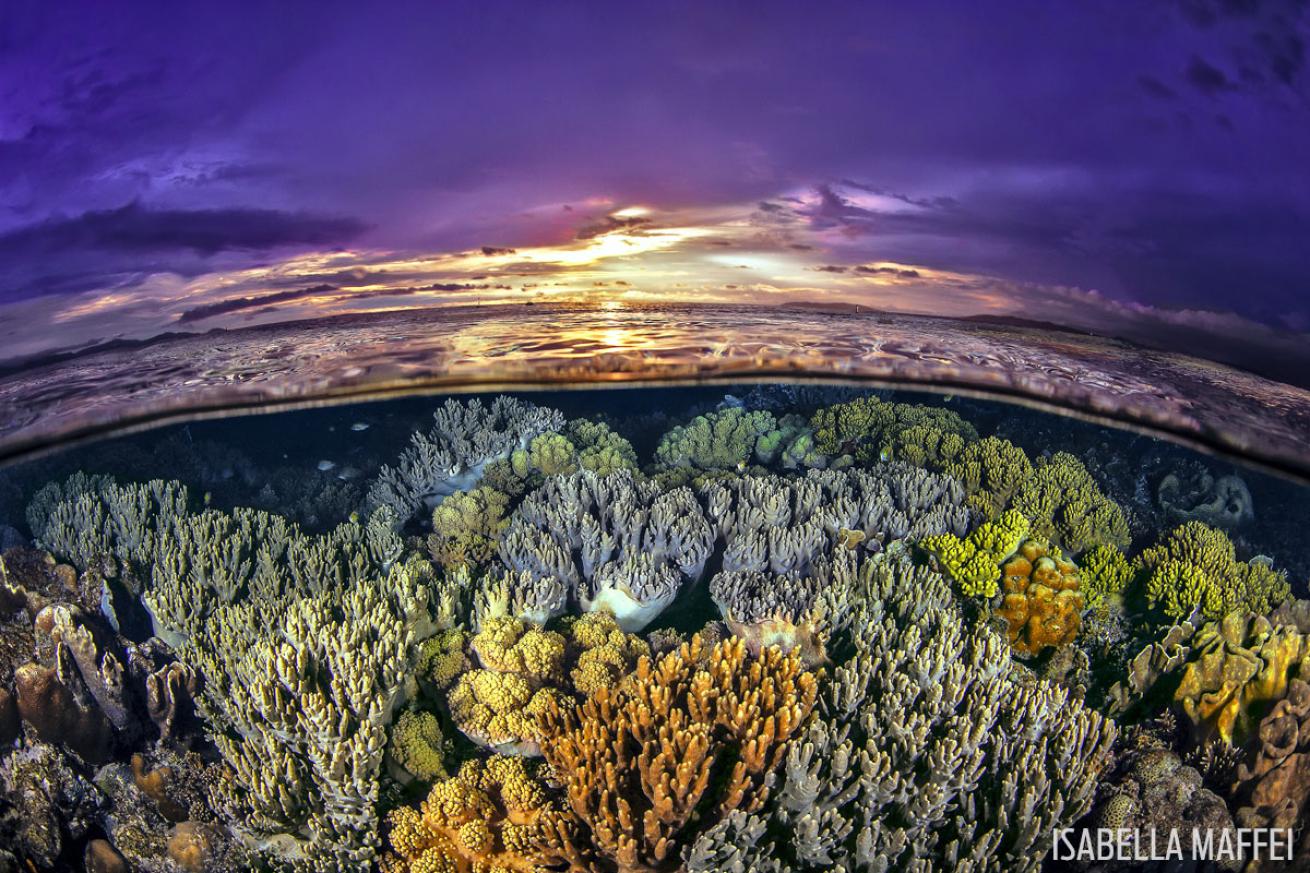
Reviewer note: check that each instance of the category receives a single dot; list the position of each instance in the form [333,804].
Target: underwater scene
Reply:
[761,627]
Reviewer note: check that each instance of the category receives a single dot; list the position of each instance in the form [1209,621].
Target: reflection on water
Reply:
[360,354]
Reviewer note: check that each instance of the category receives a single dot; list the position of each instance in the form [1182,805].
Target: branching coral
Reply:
[869,429]
[782,526]
[465,527]
[613,542]
[583,444]
[492,817]
[723,440]
[789,445]
[1066,506]
[1105,575]
[677,746]
[925,754]
[452,456]
[1195,566]
[974,562]
[1043,605]
[993,472]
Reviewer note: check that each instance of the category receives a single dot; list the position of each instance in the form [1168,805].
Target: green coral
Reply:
[869,429]
[1065,505]
[927,446]
[417,746]
[583,444]
[1195,566]
[789,445]
[993,472]
[600,449]
[723,440]
[466,525]
[974,562]
[552,454]
[1105,574]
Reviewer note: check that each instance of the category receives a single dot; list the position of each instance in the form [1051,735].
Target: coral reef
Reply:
[1272,788]
[1042,604]
[1105,575]
[452,456]
[974,562]
[1194,567]
[723,440]
[1066,506]
[1193,493]
[769,523]
[583,444]
[613,542]
[677,746]
[466,526]
[925,753]
[869,429]
[493,816]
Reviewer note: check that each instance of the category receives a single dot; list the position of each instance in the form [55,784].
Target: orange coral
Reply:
[678,744]
[1043,604]
[493,817]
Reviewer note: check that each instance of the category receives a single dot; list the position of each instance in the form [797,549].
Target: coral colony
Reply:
[849,636]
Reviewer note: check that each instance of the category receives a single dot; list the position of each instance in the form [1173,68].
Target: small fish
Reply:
[359,425]
[324,466]
[885,455]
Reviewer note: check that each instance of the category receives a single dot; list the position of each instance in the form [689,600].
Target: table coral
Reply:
[919,723]
[453,454]
[974,562]
[1195,565]
[723,440]
[491,817]
[1042,604]
[681,743]
[617,543]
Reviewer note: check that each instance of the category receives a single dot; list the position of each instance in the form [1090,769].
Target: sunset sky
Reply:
[1139,169]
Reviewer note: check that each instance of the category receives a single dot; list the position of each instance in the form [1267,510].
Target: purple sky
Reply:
[1127,167]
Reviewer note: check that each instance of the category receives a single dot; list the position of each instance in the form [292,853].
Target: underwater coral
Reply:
[800,631]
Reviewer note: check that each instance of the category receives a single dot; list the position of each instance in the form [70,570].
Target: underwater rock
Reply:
[10,721]
[452,456]
[1157,791]
[1192,493]
[102,857]
[57,715]
[49,807]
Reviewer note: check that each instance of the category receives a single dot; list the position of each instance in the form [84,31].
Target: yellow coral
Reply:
[1043,604]
[602,653]
[1105,574]
[465,526]
[491,817]
[442,658]
[993,471]
[1066,506]
[1195,565]
[974,562]
[416,745]
[507,644]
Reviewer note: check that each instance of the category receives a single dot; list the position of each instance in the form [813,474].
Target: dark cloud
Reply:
[829,268]
[921,202]
[1155,88]
[1207,78]
[610,224]
[268,302]
[491,251]
[899,272]
[138,228]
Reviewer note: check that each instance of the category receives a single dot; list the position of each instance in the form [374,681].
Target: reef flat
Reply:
[800,629]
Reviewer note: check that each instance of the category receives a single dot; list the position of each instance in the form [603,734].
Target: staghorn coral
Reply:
[782,526]
[722,440]
[452,456]
[924,754]
[1066,506]
[465,527]
[974,562]
[682,742]
[870,429]
[491,817]
[1194,566]
[1042,604]
[614,543]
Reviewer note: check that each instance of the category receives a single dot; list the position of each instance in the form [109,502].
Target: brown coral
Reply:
[493,817]
[1274,787]
[679,744]
[1043,604]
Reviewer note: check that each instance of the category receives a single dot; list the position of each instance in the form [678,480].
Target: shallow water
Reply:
[810,607]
